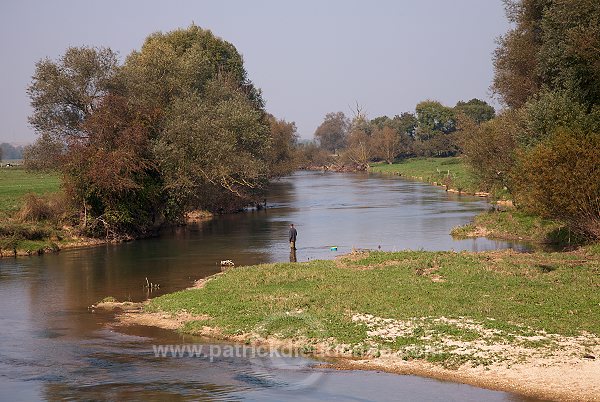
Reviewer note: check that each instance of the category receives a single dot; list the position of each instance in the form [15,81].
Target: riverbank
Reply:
[16,182]
[452,173]
[338,167]
[514,225]
[502,320]
[20,237]
[31,216]
[504,222]
[21,240]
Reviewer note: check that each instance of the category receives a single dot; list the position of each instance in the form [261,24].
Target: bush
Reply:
[37,208]
[311,155]
[560,178]
[15,231]
[549,110]
[44,154]
[490,150]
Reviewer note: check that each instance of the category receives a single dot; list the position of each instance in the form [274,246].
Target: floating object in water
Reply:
[227,263]
[333,248]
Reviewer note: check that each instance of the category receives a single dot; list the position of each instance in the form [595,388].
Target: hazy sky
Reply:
[308,57]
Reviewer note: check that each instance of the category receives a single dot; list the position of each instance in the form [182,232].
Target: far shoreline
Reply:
[82,242]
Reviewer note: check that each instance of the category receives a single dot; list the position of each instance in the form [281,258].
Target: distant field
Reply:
[15,182]
[452,171]
[11,161]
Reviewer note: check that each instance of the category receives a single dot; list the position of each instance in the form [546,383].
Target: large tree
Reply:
[547,71]
[178,127]
[477,110]
[434,118]
[174,64]
[64,93]
[555,44]
[569,55]
[516,57]
[332,133]
[219,141]
[284,141]
[214,140]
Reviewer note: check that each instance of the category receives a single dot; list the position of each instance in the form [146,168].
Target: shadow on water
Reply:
[53,347]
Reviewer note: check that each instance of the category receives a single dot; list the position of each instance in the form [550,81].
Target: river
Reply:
[52,346]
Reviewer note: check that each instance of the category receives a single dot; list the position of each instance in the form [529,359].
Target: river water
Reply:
[52,346]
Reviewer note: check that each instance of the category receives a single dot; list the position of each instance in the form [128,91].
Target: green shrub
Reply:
[9,243]
[547,111]
[560,178]
[18,232]
[490,149]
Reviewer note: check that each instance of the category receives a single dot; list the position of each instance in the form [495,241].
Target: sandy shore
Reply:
[569,370]
[554,379]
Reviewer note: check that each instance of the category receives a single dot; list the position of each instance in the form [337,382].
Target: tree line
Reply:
[9,151]
[178,126]
[431,130]
[544,148]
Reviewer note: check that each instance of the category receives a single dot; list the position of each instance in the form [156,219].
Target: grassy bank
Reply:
[24,237]
[441,307]
[35,217]
[510,224]
[452,172]
[515,225]
[16,182]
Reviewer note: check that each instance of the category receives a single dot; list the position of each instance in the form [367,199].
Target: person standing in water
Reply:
[292,235]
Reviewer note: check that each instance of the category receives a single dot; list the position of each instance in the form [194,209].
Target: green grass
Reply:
[25,237]
[509,293]
[452,171]
[28,237]
[516,225]
[15,182]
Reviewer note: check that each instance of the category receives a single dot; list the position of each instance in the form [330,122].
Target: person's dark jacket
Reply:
[293,234]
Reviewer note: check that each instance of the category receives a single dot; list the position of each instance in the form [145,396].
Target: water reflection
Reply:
[53,347]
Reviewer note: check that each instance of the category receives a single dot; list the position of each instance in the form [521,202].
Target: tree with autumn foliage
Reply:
[332,134]
[283,158]
[111,172]
[178,127]
[544,148]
